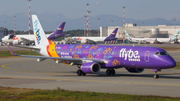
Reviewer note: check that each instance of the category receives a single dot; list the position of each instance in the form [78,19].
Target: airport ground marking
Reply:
[157,84]
[4,66]
[38,72]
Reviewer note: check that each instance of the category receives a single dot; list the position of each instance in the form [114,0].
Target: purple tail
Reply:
[112,36]
[58,32]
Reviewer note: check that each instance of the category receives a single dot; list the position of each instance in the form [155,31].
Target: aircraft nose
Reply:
[170,63]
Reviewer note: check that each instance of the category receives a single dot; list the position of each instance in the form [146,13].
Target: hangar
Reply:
[160,31]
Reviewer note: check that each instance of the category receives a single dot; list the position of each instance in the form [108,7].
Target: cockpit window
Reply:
[164,53]
[156,53]
[161,53]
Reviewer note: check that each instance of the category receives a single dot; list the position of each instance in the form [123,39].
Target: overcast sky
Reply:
[136,9]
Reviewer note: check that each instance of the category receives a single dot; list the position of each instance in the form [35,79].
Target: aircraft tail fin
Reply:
[174,37]
[40,37]
[112,36]
[128,37]
[58,32]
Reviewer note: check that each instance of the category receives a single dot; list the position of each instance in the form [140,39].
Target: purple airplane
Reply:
[58,32]
[93,58]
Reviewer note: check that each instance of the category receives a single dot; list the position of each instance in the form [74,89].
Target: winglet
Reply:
[11,51]
[58,32]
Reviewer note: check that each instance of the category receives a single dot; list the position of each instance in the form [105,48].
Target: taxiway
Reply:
[27,73]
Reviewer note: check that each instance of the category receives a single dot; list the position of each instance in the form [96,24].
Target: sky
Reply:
[72,9]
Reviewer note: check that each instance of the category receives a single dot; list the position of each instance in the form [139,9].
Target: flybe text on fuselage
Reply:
[130,55]
[37,33]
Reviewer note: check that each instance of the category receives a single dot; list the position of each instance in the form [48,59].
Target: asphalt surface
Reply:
[28,73]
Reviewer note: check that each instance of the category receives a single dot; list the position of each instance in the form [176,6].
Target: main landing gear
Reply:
[80,73]
[110,72]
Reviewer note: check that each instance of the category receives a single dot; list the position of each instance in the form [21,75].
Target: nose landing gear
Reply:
[156,75]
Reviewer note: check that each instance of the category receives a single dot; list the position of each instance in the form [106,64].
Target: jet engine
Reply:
[135,70]
[83,41]
[15,42]
[90,67]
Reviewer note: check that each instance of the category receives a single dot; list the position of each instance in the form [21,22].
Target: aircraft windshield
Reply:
[161,53]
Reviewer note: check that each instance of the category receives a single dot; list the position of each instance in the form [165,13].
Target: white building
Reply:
[160,31]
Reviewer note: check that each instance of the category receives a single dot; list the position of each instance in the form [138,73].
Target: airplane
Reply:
[93,58]
[93,40]
[152,40]
[16,39]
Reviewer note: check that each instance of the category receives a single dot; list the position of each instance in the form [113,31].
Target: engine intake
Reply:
[90,67]
[135,70]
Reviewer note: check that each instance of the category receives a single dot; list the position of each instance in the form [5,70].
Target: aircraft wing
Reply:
[25,40]
[27,47]
[91,41]
[65,59]
[59,58]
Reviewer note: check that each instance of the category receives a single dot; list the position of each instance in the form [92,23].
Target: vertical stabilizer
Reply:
[40,37]
[58,32]
[174,37]
[128,37]
[112,36]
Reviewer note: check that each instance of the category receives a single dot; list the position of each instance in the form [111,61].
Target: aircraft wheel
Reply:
[79,72]
[108,72]
[156,76]
[113,72]
[83,74]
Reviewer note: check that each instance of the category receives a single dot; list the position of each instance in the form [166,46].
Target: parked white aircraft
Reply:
[152,40]
[16,39]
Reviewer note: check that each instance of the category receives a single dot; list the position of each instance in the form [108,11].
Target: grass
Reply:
[177,65]
[16,94]
[4,54]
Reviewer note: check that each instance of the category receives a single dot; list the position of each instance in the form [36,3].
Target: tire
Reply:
[79,72]
[108,72]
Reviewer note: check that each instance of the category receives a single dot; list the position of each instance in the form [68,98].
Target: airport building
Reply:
[1,33]
[160,31]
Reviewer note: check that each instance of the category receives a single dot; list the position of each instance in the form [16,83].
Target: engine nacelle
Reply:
[15,42]
[83,41]
[135,70]
[90,67]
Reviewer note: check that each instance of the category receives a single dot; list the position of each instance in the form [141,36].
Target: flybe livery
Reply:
[152,40]
[93,58]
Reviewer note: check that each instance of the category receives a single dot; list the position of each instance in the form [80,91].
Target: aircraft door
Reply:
[146,56]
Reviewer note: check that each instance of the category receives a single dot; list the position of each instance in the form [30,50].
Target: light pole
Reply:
[111,22]
[29,16]
[98,26]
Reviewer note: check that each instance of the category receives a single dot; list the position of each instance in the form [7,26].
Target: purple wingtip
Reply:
[11,51]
